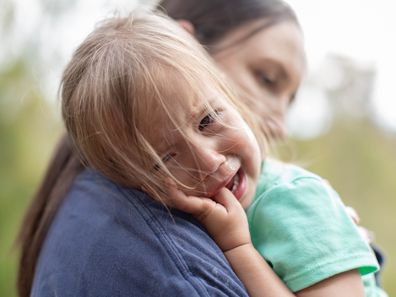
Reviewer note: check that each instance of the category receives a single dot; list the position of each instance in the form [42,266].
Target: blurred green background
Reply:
[357,156]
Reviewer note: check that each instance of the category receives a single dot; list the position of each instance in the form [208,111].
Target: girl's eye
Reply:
[165,159]
[168,157]
[207,120]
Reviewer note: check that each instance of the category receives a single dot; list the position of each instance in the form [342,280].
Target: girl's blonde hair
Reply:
[116,76]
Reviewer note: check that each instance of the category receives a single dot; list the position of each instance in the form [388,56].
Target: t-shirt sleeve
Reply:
[303,231]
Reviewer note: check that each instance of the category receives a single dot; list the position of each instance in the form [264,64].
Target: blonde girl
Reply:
[145,108]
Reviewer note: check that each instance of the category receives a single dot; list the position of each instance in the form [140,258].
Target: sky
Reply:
[363,30]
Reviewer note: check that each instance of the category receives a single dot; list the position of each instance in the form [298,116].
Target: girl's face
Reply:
[267,67]
[207,149]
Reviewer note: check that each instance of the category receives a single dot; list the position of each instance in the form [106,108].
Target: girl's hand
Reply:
[223,217]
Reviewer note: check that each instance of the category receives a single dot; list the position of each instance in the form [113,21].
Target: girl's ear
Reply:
[186,25]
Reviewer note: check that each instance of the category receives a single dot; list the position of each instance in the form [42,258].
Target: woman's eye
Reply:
[265,79]
[207,120]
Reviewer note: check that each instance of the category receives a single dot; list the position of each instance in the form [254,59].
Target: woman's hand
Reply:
[223,216]
[367,234]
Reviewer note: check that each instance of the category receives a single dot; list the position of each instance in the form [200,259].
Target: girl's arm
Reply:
[341,285]
[226,222]
[254,272]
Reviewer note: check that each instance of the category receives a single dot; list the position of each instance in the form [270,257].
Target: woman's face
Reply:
[267,68]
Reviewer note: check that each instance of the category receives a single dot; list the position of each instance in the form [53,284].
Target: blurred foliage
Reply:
[29,126]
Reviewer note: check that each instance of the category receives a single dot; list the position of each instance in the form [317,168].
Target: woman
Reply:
[258,44]
[239,35]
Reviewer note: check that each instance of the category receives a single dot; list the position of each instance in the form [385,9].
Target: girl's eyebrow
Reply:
[170,141]
[196,115]
[203,109]
[163,149]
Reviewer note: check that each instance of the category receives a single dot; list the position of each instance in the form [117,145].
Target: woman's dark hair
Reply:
[63,168]
[212,20]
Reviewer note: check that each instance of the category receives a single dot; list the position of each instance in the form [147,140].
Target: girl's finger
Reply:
[189,204]
[227,199]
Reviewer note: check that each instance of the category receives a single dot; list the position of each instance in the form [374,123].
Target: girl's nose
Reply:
[208,160]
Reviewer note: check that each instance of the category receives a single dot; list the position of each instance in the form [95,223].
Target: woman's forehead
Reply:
[260,35]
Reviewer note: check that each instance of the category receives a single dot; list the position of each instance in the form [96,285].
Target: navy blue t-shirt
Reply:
[110,241]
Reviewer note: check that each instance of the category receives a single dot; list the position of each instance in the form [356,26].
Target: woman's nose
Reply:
[281,106]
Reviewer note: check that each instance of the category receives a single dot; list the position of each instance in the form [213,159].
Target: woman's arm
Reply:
[226,222]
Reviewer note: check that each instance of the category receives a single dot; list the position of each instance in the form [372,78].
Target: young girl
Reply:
[145,107]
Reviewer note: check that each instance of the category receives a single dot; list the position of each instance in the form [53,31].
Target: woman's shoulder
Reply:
[107,238]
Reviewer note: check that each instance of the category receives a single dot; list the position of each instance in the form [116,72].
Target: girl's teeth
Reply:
[236,183]
[232,165]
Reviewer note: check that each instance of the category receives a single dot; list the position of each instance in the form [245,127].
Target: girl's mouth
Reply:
[237,185]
